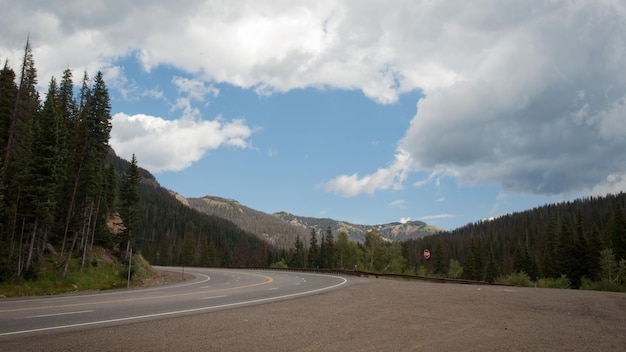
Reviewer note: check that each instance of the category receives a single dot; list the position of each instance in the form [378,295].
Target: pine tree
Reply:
[313,257]
[439,260]
[129,199]
[42,179]
[8,97]
[329,246]
[297,259]
[618,233]
[15,170]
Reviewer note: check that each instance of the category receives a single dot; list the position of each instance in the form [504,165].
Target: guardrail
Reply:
[361,273]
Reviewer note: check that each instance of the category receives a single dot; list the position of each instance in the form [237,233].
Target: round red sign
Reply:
[426,254]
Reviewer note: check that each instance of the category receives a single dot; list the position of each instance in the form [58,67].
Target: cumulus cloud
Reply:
[162,145]
[390,177]
[543,111]
[527,94]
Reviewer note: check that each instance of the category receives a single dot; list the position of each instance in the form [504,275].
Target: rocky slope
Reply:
[281,229]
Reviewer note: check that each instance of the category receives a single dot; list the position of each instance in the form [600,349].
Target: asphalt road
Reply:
[363,314]
[211,289]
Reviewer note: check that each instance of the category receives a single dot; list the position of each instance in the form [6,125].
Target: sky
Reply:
[371,112]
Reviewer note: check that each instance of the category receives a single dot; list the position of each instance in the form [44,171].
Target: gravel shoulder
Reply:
[378,315]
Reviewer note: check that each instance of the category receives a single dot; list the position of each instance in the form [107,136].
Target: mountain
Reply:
[172,232]
[280,229]
[394,231]
[269,228]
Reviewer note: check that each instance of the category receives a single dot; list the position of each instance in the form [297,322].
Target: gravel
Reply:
[377,315]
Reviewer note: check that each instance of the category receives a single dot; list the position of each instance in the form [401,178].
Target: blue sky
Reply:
[363,111]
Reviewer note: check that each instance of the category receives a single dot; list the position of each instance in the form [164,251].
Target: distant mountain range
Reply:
[281,229]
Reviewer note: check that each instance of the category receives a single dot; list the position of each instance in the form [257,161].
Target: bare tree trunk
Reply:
[85,237]
[31,246]
[42,248]
[69,255]
[128,246]
[19,256]
[95,224]
[12,246]
[71,208]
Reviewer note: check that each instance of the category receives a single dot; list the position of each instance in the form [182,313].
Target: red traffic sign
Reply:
[426,254]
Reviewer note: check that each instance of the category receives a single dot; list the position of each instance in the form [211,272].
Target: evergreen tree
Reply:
[474,264]
[297,259]
[41,182]
[439,261]
[188,249]
[328,253]
[549,266]
[618,233]
[14,173]
[313,257]
[129,199]
[8,97]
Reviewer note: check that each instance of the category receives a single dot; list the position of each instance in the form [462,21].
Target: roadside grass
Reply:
[101,272]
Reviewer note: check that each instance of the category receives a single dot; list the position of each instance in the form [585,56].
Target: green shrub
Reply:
[561,282]
[455,269]
[516,279]
[602,285]
[279,264]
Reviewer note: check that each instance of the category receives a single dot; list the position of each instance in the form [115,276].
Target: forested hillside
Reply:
[583,240]
[171,233]
[60,183]
[269,228]
[580,244]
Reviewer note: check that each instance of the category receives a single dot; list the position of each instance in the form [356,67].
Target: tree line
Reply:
[579,244]
[55,187]
[61,184]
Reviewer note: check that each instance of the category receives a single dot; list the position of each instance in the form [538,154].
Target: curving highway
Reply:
[211,289]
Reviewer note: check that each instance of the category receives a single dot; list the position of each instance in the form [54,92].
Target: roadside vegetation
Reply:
[103,272]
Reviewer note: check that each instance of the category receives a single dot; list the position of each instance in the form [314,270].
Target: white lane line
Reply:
[57,314]
[148,291]
[211,297]
[273,288]
[344,280]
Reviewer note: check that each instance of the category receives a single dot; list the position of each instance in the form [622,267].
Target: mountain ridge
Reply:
[282,228]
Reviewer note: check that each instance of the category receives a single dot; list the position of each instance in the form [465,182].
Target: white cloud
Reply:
[195,90]
[162,145]
[382,179]
[400,203]
[404,220]
[437,216]
[526,94]
[542,112]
